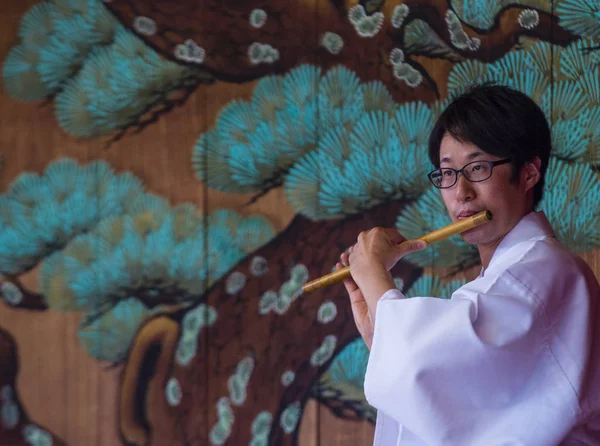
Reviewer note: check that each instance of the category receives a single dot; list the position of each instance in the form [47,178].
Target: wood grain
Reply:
[60,385]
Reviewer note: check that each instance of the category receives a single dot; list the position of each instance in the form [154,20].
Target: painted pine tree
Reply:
[337,144]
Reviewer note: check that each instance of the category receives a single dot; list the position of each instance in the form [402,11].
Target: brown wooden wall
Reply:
[61,387]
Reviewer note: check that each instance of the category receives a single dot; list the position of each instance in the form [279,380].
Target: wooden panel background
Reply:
[60,386]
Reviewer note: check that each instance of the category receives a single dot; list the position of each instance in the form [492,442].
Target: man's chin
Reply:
[470,240]
[473,236]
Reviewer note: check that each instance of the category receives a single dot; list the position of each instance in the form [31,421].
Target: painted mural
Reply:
[204,310]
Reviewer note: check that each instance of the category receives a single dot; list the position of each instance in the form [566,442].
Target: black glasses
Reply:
[475,171]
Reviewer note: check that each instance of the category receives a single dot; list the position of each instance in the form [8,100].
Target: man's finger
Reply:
[361,236]
[349,283]
[412,246]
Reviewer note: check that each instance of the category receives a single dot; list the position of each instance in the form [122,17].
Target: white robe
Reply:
[513,358]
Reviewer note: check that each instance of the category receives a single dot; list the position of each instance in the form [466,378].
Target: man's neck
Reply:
[486,252]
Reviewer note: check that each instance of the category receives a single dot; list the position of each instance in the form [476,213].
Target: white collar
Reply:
[533,225]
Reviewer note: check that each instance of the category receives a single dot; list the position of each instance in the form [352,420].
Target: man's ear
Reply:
[532,173]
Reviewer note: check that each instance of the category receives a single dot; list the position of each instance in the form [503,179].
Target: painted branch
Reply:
[15,424]
[296,31]
[496,41]
[354,408]
[14,294]
[160,333]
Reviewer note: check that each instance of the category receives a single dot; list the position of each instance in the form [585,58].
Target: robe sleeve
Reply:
[445,369]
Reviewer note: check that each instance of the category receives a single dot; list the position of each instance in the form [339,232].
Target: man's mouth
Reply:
[465,214]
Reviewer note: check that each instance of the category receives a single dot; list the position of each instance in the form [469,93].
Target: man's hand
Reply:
[370,259]
[384,247]
[360,311]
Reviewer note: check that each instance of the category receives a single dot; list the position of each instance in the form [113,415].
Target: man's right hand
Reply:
[360,310]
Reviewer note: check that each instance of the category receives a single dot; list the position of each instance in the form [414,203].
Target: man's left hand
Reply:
[373,256]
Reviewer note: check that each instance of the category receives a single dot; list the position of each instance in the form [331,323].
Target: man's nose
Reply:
[464,189]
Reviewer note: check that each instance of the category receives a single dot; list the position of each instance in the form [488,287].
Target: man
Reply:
[513,358]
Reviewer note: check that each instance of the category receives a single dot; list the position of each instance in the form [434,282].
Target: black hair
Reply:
[500,121]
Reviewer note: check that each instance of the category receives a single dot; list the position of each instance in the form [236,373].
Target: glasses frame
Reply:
[492,164]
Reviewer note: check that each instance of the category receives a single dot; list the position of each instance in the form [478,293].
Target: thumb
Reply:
[412,246]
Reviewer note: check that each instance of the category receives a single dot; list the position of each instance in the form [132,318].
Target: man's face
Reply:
[507,201]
